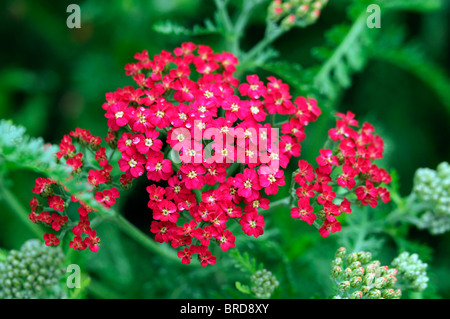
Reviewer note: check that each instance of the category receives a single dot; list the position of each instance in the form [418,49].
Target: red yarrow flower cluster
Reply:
[51,206]
[183,101]
[344,171]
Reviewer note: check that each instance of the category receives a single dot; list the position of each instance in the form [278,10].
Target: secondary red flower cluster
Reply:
[181,97]
[54,196]
[348,165]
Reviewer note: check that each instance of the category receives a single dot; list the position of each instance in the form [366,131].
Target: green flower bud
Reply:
[302,11]
[344,286]
[356,295]
[373,267]
[347,273]
[398,294]
[336,262]
[380,282]
[352,258]
[365,289]
[388,293]
[364,257]
[374,294]
[336,272]
[355,282]
[288,22]
[369,278]
[355,265]
[358,272]
[341,252]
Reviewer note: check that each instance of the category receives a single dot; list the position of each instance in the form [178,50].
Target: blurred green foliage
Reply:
[53,79]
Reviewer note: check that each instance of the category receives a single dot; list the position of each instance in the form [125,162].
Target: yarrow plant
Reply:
[211,152]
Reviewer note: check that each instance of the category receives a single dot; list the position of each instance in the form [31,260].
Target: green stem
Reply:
[17,208]
[112,154]
[284,202]
[270,36]
[240,25]
[226,21]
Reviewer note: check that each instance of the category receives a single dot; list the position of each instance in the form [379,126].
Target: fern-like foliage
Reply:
[18,150]
[246,263]
[350,46]
[172,28]
[346,53]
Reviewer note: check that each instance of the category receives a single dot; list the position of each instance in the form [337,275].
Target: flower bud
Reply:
[352,258]
[336,272]
[344,286]
[356,295]
[380,282]
[374,294]
[388,293]
[288,22]
[302,11]
[358,272]
[341,252]
[369,278]
[347,273]
[355,265]
[355,282]
[336,262]
[364,257]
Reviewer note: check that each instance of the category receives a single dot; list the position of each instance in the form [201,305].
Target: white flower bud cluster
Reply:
[263,284]
[358,277]
[433,187]
[32,272]
[411,271]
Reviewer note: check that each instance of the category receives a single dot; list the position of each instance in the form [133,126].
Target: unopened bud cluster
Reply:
[32,272]
[358,277]
[411,271]
[433,187]
[263,284]
[295,12]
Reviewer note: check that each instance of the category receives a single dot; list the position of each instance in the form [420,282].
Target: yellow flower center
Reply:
[118,115]
[132,163]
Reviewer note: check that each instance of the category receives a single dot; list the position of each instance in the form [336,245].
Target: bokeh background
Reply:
[53,79]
